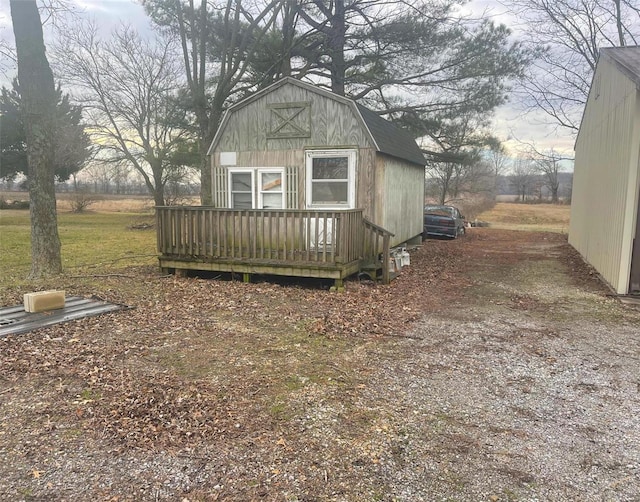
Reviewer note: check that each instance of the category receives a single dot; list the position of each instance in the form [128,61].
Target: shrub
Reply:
[14,204]
[80,201]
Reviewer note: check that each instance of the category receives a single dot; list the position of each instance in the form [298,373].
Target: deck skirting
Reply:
[264,267]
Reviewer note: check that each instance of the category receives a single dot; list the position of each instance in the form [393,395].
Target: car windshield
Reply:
[449,211]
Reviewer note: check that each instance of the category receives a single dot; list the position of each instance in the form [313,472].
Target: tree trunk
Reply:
[38,109]
[337,36]
[206,198]
[619,24]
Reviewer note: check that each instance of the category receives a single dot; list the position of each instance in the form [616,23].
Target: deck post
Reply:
[386,255]
[246,277]
[338,286]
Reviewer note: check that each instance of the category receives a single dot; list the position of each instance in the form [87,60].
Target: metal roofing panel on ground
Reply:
[14,320]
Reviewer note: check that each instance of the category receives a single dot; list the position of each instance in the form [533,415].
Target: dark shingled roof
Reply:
[627,59]
[391,139]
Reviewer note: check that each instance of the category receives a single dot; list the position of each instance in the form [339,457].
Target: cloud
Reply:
[516,129]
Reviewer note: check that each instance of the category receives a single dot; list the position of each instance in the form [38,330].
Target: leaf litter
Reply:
[460,380]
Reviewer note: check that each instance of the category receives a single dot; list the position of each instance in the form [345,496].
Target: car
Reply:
[443,221]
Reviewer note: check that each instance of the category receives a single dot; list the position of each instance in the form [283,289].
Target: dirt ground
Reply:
[495,368]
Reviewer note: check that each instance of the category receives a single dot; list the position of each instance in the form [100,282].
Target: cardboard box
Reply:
[41,301]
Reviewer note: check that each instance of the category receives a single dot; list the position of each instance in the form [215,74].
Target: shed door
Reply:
[330,184]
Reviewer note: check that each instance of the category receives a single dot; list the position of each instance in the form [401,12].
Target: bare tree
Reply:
[128,87]
[523,177]
[568,35]
[498,162]
[218,43]
[461,176]
[549,165]
[50,14]
[38,108]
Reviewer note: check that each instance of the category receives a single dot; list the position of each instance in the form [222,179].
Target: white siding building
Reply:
[606,182]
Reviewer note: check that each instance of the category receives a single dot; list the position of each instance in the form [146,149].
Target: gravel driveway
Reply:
[519,380]
[527,388]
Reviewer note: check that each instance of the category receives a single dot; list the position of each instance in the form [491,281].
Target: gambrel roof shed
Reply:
[304,183]
[305,132]
[604,225]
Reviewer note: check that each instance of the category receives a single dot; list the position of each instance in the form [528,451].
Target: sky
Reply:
[511,126]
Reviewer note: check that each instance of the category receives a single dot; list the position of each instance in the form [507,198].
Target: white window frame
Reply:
[256,190]
[270,170]
[351,155]
[253,184]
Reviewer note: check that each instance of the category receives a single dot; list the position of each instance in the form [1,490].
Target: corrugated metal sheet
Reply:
[14,320]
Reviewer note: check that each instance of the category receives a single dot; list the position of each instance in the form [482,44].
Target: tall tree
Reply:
[417,56]
[72,145]
[218,44]
[128,87]
[570,33]
[409,59]
[454,158]
[419,64]
[498,161]
[38,97]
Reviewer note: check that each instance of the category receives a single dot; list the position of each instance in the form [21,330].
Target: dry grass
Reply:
[90,240]
[532,217]
[102,203]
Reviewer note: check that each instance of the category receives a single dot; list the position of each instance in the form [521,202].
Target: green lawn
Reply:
[89,240]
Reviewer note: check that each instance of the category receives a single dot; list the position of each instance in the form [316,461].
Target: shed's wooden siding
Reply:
[605,182]
[332,124]
[400,198]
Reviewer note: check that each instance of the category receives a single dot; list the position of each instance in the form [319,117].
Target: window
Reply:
[267,193]
[241,189]
[331,179]
[271,194]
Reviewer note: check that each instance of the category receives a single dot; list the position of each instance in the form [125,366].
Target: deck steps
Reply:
[373,270]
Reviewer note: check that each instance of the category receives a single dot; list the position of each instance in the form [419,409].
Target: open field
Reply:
[532,217]
[99,202]
[494,368]
[90,241]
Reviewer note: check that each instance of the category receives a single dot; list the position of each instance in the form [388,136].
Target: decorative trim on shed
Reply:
[220,186]
[289,120]
[291,175]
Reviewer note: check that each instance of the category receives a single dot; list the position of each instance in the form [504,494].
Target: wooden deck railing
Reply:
[377,242]
[200,232]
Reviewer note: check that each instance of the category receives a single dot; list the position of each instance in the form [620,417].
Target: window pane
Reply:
[271,182]
[272,201]
[323,192]
[330,168]
[241,182]
[241,201]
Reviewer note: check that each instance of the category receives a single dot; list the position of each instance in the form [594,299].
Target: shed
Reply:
[307,183]
[606,183]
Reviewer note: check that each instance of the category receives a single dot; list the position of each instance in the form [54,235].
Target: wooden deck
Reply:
[322,244]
